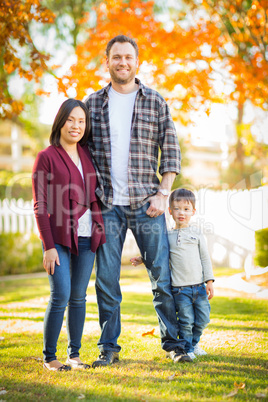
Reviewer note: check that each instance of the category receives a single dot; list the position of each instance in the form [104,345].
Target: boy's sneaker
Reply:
[198,351]
[191,355]
[179,355]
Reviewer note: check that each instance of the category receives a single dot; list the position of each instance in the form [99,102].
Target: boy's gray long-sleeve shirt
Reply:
[190,262]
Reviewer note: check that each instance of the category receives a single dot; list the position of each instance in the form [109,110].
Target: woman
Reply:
[70,225]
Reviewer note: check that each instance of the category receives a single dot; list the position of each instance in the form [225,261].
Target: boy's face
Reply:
[181,212]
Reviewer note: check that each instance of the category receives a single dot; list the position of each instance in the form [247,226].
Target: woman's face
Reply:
[74,127]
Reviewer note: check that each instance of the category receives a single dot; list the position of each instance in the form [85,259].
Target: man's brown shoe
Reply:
[105,358]
[178,355]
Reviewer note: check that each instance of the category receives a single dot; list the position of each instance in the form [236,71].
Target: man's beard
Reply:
[122,81]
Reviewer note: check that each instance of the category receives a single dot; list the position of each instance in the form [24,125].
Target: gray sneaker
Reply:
[198,351]
[192,355]
[105,358]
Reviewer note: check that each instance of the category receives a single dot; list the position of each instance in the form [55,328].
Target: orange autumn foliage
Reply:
[169,60]
[241,53]
[18,51]
[242,45]
[182,62]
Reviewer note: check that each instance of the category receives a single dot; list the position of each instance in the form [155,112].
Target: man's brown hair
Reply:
[121,39]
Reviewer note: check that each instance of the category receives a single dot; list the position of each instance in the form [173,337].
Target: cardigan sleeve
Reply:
[40,181]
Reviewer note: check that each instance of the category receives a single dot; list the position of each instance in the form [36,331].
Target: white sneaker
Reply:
[191,355]
[198,351]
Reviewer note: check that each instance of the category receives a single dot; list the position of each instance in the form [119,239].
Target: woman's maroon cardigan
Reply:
[61,197]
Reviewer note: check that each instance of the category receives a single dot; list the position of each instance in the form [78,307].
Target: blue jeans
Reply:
[68,286]
[151,237]
[193,310]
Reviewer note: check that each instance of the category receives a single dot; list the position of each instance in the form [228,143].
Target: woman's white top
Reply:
[85,221]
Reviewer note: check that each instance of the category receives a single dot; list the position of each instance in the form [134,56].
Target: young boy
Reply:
[190,269]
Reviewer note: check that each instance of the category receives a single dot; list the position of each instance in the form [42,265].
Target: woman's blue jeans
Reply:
[68,287]
[193,310]
[151,237]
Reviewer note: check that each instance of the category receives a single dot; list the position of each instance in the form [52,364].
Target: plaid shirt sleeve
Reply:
[169,145]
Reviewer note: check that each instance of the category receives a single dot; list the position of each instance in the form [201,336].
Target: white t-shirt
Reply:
[120,116]
[85,221]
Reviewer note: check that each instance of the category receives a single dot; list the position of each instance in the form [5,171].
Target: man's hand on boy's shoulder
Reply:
[210,289]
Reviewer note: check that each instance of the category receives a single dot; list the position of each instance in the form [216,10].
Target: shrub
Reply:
[261,245]
[20,253]
[15,185]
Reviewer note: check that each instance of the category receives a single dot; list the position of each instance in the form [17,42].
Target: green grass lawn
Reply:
[235,368]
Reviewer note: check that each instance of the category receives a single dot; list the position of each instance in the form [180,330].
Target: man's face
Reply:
[122,63]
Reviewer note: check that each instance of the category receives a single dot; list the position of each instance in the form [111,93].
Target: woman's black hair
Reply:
[61,117]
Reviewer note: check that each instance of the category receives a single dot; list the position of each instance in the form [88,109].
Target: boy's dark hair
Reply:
[61,117]
[182,194]
[121,39]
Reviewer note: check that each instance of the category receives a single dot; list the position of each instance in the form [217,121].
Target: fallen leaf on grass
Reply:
[36,358]
[237,386]
[233,393]
[140,398]
[240,386]
[149,333]
[171,377]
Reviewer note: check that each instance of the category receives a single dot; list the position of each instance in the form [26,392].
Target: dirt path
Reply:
[20,321]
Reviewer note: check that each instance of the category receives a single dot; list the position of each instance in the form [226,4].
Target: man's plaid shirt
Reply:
[152,128]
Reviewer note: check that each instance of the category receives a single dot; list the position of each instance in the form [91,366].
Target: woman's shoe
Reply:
[64,367]
[77,365]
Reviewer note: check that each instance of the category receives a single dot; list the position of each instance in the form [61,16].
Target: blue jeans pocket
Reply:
[176,291]
[202,290]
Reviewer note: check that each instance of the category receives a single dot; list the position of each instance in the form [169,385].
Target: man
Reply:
[130,122]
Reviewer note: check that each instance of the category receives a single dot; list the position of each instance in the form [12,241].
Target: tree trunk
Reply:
[239,148]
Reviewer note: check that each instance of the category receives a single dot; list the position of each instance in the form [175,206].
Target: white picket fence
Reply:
[229,219]
[17,216]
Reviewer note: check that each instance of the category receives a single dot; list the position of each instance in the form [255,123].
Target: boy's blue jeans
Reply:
[151,237]
[68,287]
[193,311]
